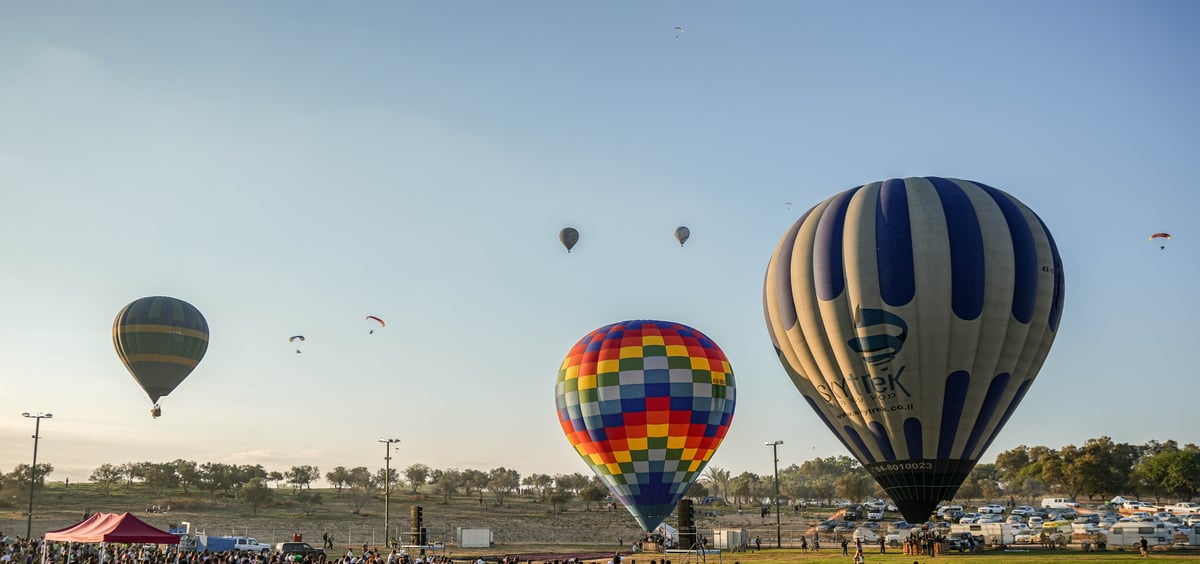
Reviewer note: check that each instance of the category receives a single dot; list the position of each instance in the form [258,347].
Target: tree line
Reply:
[1100,468]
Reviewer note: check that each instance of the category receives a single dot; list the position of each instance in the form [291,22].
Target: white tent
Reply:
[669,533]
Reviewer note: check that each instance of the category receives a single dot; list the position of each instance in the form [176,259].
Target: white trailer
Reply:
[995,534]
[474,537]
[1130,534]
[730,539]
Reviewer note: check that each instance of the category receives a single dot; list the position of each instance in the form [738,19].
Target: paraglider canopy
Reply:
[297,339]
[678,30]
[1162,239]
[568,237]
[375,321]
[681,234]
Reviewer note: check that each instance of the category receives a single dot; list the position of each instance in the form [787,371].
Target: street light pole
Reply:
[387,486]
[775,452]
[37,429]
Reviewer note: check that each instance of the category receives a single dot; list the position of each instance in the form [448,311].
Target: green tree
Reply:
[339,478]
[502,482]
[474,480]
[1174,473]
[446,483]
[719,479]
[417,474]
[539,484]
[19,478]
[360,488]
[853,487]
[387,478]
[573,482]
[188,473]
[256,493]
[215,476]
[558,498]
[160,477]
[301,477]
[592,493]
[106,475]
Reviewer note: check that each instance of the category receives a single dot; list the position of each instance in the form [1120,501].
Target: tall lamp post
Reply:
[775,452]
[387,486]
[37,429]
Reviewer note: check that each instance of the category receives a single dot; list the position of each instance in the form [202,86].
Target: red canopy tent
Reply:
[111,527]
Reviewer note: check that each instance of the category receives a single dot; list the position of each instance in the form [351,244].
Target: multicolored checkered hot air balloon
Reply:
[646,404]
[913,316]
[160,340]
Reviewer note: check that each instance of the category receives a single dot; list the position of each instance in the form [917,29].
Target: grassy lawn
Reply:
[520,525]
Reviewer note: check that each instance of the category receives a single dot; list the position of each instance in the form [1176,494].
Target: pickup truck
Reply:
[1183,508]
[251,544]
[213,543]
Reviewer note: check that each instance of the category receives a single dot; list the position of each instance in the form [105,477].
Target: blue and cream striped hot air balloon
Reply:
[160,340]
[913,315]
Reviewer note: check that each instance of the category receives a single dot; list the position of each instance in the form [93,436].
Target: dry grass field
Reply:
[520,526]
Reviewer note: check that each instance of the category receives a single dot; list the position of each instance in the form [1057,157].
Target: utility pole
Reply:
[387,486]
[775,451]
[37,429]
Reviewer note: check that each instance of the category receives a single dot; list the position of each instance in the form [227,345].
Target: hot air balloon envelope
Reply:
[913,316]
[646,404]
[160,340]
[681,234]
[568,237]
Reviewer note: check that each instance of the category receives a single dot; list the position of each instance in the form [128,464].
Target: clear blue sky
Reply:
[291,167]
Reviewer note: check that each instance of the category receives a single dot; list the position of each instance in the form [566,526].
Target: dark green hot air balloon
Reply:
[160,340]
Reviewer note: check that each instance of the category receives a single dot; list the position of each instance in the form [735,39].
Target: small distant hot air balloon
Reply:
[160,340]
[1162,239]
[374,323]
[646,404]
[297,339]
[913,315]
[568,237]
[681,234]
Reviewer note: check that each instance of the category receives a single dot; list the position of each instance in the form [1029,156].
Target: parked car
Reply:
[951,513]
[990,518]
[845,526]
[866,535]
[961,542]
[992,508]
[875,514]
[301,548]
[875,503]
[968,518]
[827,526]
[1022,510]
[853,513]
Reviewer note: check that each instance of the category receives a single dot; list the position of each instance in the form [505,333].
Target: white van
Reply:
[1058,502]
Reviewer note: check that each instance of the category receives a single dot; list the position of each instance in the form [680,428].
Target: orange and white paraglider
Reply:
[375,323]
[1162,239]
